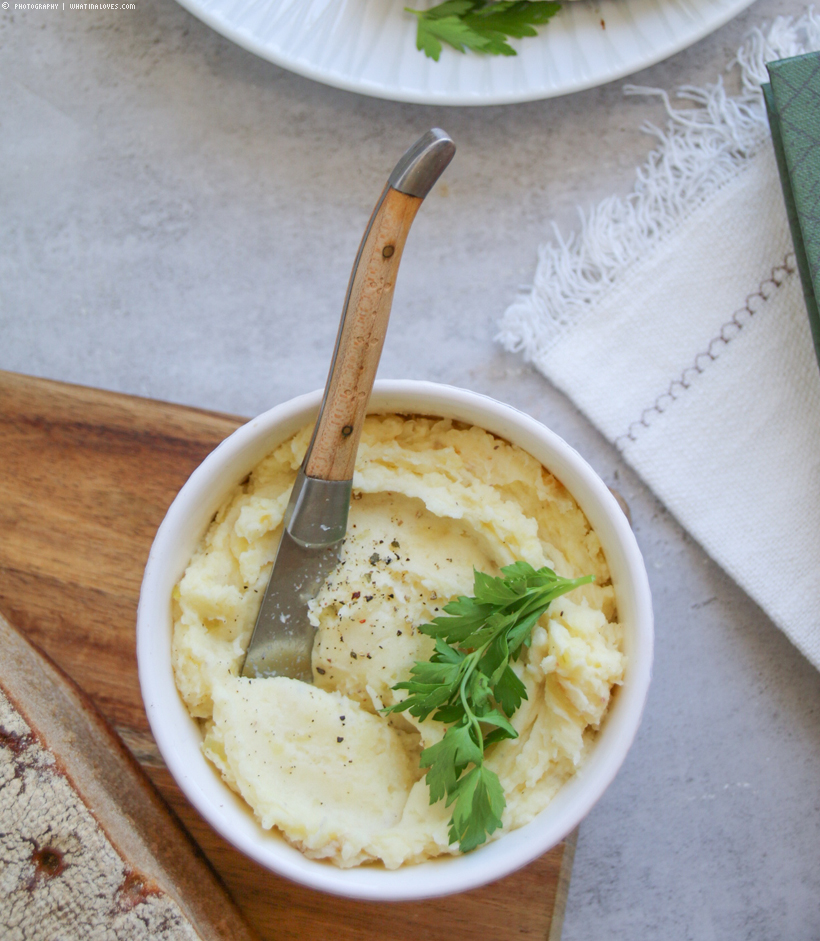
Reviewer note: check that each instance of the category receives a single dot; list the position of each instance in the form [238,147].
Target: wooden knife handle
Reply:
[332,453]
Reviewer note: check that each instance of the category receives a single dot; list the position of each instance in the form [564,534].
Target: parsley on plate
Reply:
[480,25]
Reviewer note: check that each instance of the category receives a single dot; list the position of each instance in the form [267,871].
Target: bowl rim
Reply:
[178,737]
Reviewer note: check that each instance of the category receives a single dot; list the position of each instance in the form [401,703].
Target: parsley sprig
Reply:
[480,25]
[469,684]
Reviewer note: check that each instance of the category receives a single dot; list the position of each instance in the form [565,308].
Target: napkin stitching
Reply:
[703,148]
[728,332]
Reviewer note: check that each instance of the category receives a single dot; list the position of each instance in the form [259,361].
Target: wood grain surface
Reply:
[85,479]
[332,454]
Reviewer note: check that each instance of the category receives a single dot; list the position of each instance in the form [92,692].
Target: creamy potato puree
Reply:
[432,501]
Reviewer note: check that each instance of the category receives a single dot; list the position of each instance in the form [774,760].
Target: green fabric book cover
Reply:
[793,103]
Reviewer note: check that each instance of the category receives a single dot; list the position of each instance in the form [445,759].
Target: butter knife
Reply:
[315,520]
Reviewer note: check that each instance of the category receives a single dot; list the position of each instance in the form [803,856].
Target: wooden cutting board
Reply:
[85,479]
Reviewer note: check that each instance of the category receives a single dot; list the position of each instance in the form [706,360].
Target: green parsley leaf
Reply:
[479,25]
[448,758]
[469,684]
[478,808]
[509,691]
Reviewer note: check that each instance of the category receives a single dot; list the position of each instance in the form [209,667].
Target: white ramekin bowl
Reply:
[178,736]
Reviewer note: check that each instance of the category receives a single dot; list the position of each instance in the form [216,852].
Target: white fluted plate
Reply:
[368,46]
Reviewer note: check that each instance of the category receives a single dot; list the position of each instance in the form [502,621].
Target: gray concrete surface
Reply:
[178,220]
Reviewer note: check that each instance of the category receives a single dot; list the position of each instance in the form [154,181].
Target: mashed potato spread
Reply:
[432,500]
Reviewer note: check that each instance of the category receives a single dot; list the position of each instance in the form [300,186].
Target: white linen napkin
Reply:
[675,321]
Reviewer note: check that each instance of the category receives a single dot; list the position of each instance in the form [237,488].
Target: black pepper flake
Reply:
[368,597]
[398,633]
[320,670]
[395,544]
[356,594]
[354,655]
[374,559]
[340,738]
